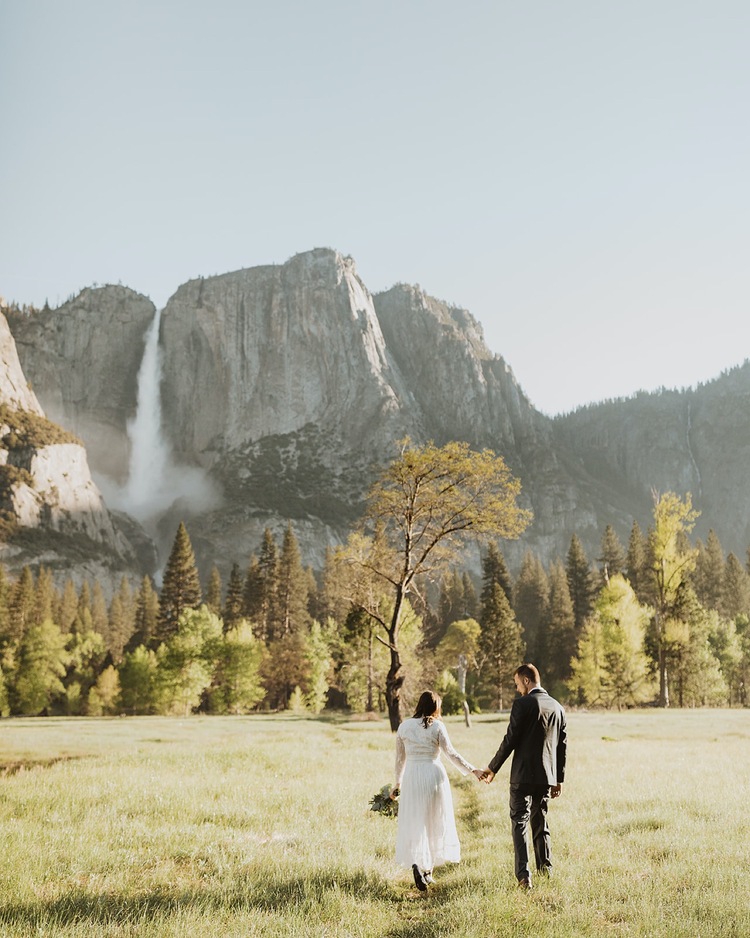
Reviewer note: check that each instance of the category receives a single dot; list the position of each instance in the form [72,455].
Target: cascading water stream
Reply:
[144,491]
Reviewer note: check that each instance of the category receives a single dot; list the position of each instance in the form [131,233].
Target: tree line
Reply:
[660,620]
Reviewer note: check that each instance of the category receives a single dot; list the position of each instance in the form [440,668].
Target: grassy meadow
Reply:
[241,826]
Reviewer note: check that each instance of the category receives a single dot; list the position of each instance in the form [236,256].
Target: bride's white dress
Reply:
[426,826]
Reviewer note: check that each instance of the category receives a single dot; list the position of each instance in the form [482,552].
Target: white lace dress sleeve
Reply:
[400,760]
[446,747]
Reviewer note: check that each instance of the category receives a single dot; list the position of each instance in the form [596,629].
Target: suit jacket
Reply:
[538,738]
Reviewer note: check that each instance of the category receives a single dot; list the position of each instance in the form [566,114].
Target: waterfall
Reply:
[144,492]
[155,483]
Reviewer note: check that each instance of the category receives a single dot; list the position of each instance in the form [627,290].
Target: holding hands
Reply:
[484,775]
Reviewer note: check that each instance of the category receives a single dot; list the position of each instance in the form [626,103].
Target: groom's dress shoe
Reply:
[524,883]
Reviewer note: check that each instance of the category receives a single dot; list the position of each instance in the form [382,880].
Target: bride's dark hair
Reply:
[428,707]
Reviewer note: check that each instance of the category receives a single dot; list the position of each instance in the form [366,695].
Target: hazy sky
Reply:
[576,173]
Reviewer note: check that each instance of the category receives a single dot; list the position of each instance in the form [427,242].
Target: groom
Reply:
[537,736]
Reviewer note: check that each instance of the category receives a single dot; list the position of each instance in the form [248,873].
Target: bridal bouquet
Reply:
[382,802]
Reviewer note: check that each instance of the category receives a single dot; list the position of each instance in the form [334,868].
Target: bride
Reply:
[426,835]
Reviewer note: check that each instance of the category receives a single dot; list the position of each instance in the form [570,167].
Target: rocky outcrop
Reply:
[83,361]
[51,511]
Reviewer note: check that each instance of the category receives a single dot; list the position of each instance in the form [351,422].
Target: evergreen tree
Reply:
[22,605]
[235,602]
[613,558]
[292,588]
[471,600]
[494,571]
[500,642]
[581,583]
[214,591]
[128,602]
[86,653]
[44,596]
[561,633]
[708,575]
[42,661]
[264,601]
[636,564]
[116,629]
[4,613]
[735,599]
[99,612]
[67,608]
[146,615]
[530,598]
[181,588]
[451,601]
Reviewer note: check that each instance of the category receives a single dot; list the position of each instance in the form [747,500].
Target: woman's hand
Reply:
[395,792]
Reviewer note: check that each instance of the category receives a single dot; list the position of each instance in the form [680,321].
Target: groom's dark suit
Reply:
[537,737]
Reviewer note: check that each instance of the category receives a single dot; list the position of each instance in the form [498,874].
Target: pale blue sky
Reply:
[574,173]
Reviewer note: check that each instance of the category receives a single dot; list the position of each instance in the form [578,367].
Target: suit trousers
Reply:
[528,804]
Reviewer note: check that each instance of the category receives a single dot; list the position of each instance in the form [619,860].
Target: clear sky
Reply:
[576,174]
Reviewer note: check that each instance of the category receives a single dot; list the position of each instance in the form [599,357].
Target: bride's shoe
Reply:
[419,881]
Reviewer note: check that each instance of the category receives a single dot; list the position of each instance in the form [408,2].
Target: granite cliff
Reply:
[51,511]
[287,385]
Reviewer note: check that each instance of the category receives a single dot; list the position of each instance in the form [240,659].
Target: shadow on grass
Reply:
[257,890]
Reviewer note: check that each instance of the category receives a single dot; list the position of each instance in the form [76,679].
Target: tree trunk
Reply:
[663,679]
[370,675]
[393,683]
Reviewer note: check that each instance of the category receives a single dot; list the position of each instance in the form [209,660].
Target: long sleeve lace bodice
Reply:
[418,743]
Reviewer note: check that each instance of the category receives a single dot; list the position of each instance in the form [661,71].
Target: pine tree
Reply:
[234,604]
[451,605]
[266,584]
[530,598]
[116,629]
[636,564]
[292,591]
[67,608]
[708,576]
[42,661]
[735,599]
[4,612]
[146,615]
[613,558]
[22,604]
[99,612]
[500,641]
[561,632]
[181,588]
[214,591]
[580,582]
[494,570]
[44,596]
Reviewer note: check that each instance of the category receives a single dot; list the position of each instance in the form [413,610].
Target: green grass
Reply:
[245,826]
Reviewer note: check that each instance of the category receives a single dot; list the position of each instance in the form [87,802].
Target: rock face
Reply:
[83,359]
[289,384]
[50,509]
[695,441]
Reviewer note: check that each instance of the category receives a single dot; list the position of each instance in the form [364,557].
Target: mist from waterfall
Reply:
[154,482]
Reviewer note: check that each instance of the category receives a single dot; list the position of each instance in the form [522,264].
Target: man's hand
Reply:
[555,791]
[484,775]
